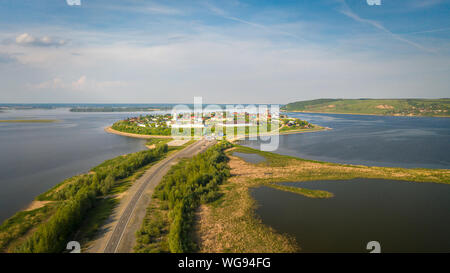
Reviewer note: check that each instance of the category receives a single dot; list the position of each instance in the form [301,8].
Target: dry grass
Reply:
[230,224]
[36,204]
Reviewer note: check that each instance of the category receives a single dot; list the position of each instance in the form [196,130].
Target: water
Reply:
[409,142]
[250,158]
[402,216]
[36,156]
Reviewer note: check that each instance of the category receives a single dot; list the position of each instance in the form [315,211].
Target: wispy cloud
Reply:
[225,15]
[430,31]
[346,10]
[151,8]
[425,3]
[6,58]
[26,39]
[81,83]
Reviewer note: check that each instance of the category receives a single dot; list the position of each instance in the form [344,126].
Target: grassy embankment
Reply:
[168,224]
[76,207]
[230,224]
[393,107]
[151,143]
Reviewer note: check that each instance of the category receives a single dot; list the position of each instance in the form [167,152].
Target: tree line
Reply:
[78,196]
[187,185]
[130,127]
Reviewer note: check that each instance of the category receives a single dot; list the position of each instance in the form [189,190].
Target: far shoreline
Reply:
[360,114]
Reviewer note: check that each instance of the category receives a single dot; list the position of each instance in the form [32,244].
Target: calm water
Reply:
[410,142]
[250,158]
[36,156]
[402,216]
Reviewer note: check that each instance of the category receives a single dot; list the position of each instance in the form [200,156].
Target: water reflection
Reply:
[402,216]
[250,158]
[36,156]
[410,142]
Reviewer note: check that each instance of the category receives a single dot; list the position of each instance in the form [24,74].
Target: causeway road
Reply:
[118,235]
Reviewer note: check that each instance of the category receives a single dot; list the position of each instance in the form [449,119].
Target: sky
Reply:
[229,51]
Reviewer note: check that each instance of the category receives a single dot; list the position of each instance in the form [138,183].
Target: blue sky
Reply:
[225,51]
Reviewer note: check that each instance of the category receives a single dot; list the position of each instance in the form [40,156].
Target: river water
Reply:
[401,216]
[409,142]
[36,156]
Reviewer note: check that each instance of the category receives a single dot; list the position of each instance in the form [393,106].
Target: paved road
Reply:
[151,178]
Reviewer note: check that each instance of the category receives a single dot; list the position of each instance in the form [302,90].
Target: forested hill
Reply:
[394,107]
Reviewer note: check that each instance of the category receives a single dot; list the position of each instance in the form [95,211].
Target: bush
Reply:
[188,184]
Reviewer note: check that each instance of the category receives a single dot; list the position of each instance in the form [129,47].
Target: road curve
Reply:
[154,176]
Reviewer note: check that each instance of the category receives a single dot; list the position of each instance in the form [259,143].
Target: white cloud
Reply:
[55,83]
[26,39]
[81,83]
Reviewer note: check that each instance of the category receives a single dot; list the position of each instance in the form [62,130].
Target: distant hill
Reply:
[392,107]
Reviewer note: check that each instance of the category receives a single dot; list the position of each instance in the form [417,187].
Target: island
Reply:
[389,107]
[215,125]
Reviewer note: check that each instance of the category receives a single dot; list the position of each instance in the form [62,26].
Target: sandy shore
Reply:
[112,131]
[300,131]
[36,204]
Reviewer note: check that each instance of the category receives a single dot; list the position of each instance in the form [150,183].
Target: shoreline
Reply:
[234,217]
[112,131]
[300,131]
[360,114]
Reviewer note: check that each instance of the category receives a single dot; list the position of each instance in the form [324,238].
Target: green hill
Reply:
[393,107]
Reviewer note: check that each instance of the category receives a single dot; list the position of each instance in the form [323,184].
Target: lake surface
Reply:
[409,142]
[401,216]
[36,156]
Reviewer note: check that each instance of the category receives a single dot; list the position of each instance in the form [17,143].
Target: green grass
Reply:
[154,141]
[272,159]
[22,222]
[402,107]
[94,219]
[231,224]
[335,171]
[302,191]
[22,225]
[152,237]
[296,129]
